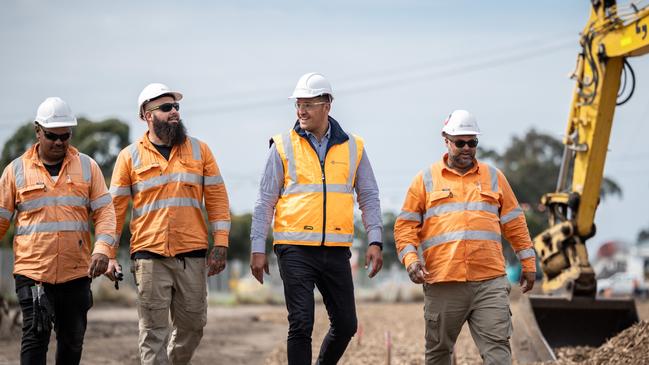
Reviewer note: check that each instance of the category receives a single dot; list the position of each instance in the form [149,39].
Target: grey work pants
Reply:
[170,287]
[484,304]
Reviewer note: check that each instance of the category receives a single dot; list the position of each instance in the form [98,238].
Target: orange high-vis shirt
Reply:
[52,240]
[457,221]
[168,197]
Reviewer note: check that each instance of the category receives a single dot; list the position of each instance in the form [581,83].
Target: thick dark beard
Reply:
[171,134]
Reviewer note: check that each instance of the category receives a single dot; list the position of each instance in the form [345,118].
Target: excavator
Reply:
[569,313]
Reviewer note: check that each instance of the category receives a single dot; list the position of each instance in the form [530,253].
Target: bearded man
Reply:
[170,176]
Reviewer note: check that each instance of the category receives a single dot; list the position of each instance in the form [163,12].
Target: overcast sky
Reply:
[397,69]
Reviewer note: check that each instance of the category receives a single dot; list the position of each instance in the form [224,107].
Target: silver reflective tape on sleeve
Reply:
[212,180]
[52,227]
[428,180]
[196,148]
[106,238]
[100,202]
[85,167]
[120,190]
[405,251]
[516,212]
[493,172]
[220,225]
[410,216]
[461,235]
[352,159]
[5,213]
[19,172]
[526,253]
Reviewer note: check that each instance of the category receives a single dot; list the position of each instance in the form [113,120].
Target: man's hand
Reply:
[259,265]
[98,265]
[113,268]
[216,260]
[373,256]
[527,281]
[417,272]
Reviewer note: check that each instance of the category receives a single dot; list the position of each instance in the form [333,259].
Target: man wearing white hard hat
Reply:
[52,191]
[308,188]
[455,212]
[170,177]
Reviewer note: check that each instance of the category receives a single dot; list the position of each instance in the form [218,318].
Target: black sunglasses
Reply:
[166,107]
[473,143]
[53,136]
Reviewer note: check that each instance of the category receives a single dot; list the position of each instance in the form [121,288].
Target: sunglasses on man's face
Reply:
[166,107]
[473,143]
[53,136]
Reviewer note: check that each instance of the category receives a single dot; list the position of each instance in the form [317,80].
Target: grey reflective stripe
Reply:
[460,207]
[428,180]
[494,178]
[59,201]
[409,216]
[290,158]
[196,148]
[135,155]
[297,236]
[212,180]
[312,237]
[339,237]
[100,202]
[5,213]
[120,190]
[352,160]
[460,235]
[516,212]
[165,179]
[106,238]
[52,227]
[406,250]
[526,253]
[166,203]
[19,172]
[317,188]
[220,225]
[85,166]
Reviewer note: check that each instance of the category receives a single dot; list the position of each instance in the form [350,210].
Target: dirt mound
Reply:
[629,347]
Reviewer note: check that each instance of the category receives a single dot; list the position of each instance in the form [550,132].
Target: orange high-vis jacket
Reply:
[316,206]
[458,220]
[52,238]
[167,217]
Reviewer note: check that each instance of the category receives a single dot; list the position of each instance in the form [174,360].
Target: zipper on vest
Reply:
[324,202]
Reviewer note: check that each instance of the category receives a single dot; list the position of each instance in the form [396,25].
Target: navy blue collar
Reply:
[337,134]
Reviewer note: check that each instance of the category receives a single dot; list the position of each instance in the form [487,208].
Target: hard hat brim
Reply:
[67,123]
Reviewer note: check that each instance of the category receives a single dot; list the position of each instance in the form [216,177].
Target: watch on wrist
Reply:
[376,243]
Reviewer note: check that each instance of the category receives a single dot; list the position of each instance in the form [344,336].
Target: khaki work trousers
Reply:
[484,304]
[170,287]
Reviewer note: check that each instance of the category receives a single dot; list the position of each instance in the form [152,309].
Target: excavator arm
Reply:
[570,314]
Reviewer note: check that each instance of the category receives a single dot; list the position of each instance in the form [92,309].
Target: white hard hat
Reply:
[461,123]
[55,113]
[311,85]
[152,91]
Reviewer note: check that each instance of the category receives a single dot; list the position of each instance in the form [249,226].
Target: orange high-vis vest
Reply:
[52,240]
[457,221]
[167,217]
[316,204]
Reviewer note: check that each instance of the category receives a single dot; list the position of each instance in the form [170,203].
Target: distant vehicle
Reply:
[620,284]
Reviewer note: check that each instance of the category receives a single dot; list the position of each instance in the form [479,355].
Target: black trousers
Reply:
[302,268]
[70,301]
